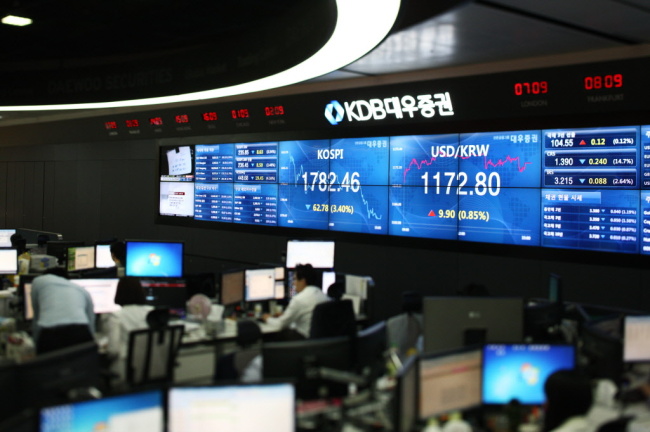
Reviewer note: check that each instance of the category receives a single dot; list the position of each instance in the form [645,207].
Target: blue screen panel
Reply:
[303,207]
[256,162]
[135,411]
[603,220]
[499,215]
[362,160]
[215,162]
[645,225]
[213,201]
[520,371]
[154,259]
[361,210]
[511,159]
[302,162]
[417,159]
[255,204]
[419,212]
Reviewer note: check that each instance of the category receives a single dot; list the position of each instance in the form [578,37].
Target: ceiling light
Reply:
[361,25]
[16,21]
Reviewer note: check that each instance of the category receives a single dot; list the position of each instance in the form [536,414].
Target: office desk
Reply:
[216,332]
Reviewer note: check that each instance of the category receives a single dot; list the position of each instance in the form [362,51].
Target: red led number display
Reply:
[531,88]
[156,121]
[277,110]
[240,113]
[209,116]
[598,82]
[182,118]
[132,123]
[110,125]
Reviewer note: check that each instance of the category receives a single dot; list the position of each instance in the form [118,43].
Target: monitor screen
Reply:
[320,254]
[81,258]
[154,258]
[555,288]
[260,284]
[329,277]
[5,237]
[164,292]
[454,322]
[636,340]
[450,381]
[232,287]
[103,257]
[228,408]
[102,291]
[59,248]
[142,411]
[8,261]
[519,371]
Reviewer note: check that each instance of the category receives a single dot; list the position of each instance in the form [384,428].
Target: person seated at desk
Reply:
[117,325]
[118,253]
[63,312]
[569,396]
[296,318]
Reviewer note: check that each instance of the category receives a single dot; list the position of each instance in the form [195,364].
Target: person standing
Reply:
[63,312]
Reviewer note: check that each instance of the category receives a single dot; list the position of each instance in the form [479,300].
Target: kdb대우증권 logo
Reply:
[426,106]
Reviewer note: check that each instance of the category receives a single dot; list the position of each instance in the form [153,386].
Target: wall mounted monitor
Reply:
[519,371]
[318,253]
[149,258]
[102,291]
[103,257]
[241,408]
[232,287]
[636,338]
[80,258]
[5,237]
[141,411]
[454,322]
[260,285]
[450,381]
[8,261]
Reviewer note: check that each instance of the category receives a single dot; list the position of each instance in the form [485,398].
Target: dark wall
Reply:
[90,191]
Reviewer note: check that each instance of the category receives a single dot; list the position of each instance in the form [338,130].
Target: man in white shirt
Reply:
[297,315]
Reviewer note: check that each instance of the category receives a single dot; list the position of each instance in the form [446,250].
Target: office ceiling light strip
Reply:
[361,25]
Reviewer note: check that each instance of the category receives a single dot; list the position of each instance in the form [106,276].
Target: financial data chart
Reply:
[582,188]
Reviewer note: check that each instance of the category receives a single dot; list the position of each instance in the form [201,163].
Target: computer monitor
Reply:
[449,381]
[59,249]
[318,253]
[166,292]
[103,257]
[47,378]
[260,285]
[602,347]
[80,258]
[636,338]
[405,403]
[329,277]
[148,258]
[232,287]
[555,291]
[102,291]
[454,322]
[5,237]
[8,261]
[296,360]
[519,371]
[139,411]
[240,408]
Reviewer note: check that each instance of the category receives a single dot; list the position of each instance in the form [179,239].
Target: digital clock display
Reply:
[110,125]
[276,110]
[597,82]
[531,88]
[132,123]
[156,121]
[240,113]
[182,118]
[209,116]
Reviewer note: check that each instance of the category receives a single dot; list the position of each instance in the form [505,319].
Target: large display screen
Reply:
[580,188]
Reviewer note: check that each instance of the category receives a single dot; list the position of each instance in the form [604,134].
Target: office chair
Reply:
[151,356]
[333,318]
[231,366]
